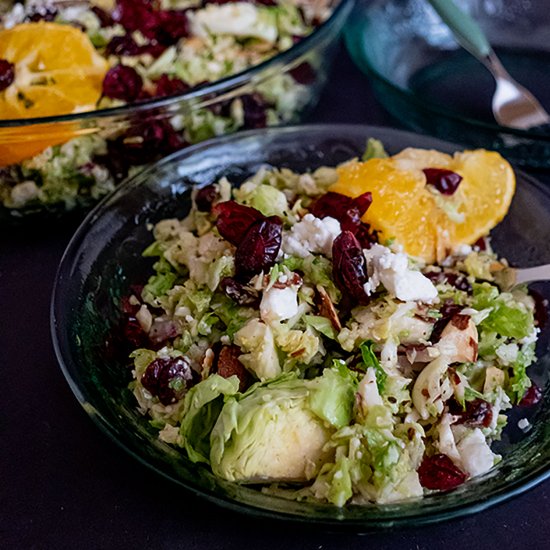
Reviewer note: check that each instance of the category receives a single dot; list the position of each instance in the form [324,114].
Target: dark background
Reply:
[63,484]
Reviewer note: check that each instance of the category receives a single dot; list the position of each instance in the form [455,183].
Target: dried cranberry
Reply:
[445,181]
[205,197]
[122,82]
[532,396]
[137,15]
[349,266]
[7,74]
[260,246]
[153,48]
[144,143]
[105,20]
[239,293]
[346,210]
[460,282]
[366,236]
[133,333]
[172,25]
[477,413]
[448,311]
[303,73]
[228,364]
[254,111]
[168,86]
[122,45]
[234,219]
[481,244]
[439,473]
[168,379]
[42,13]
[541,308]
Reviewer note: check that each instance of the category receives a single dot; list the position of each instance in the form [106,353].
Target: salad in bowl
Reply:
[293,327]
[309,334]
[90,91]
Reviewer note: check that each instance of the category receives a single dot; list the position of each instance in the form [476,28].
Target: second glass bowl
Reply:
[74,160]
[430,84]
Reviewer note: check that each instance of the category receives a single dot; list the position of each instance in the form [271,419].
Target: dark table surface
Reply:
[63,484]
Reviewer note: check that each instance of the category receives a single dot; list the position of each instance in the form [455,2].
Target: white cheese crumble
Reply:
[311,235]
[475,455]
[279,304]
[524,425]
[392,271]
[507,353]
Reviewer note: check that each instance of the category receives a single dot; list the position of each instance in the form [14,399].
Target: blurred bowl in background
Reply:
[430,84]
[52,165]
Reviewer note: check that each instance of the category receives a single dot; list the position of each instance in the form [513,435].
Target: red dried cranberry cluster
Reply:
[131,328]
[532,396]
[477,413]
[122,82]
[258,238]
[348,212]
[439,473]
[349,267]
[168,379]
[445,181]
[164,27]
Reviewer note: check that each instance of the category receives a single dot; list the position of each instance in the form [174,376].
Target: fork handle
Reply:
[466,30]
[533,274]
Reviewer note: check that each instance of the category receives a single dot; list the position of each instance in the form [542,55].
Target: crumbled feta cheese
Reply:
[524,425]
[475,455]
[463,250]
[236,19]
[507,353]
[392,271]
[311,235]
[14,17]
[531,337]
[279,304]
[225,340]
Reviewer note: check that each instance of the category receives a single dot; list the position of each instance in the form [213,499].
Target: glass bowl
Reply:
[74,160]
[104,259]
[430,84]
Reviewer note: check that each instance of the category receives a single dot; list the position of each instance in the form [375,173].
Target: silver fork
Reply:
[510,277]
[513,105]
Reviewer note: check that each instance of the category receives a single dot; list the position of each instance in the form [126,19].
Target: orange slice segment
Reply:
[57,71]
[426,223]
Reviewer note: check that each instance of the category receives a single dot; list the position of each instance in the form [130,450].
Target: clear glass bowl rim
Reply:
[381,516]
[321,33]
[351,34]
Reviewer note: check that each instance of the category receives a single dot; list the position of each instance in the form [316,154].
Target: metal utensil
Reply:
[510,277]
[513,105]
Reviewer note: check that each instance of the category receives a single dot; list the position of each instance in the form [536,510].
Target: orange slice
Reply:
[426,223]
[57,71]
